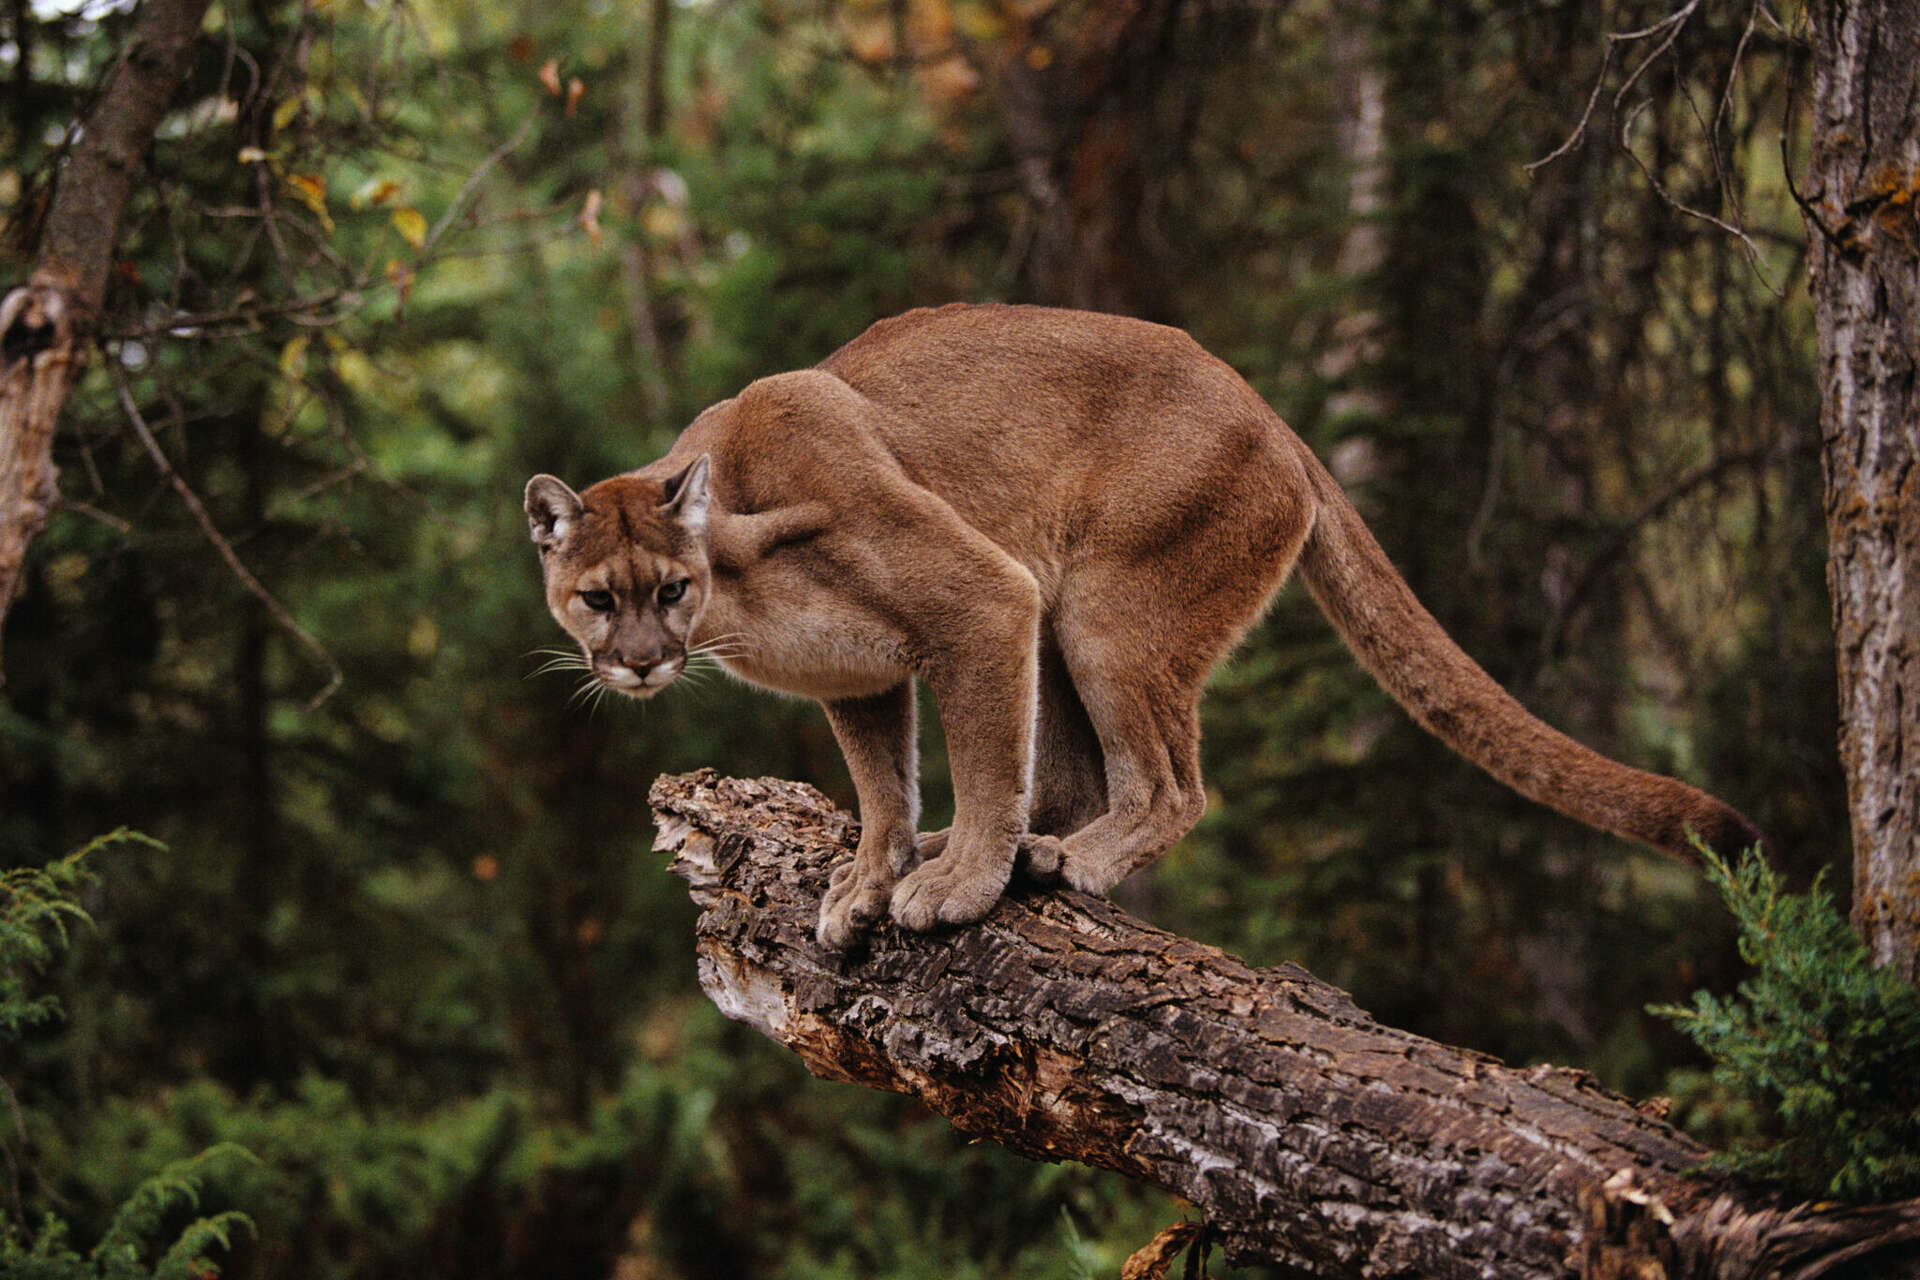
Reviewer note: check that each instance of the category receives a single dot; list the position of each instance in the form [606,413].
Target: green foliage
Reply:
[1818,1042]
[35,905]
[682,1162]
[125,1251]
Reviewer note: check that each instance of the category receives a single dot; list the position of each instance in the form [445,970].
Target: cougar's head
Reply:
[627,571]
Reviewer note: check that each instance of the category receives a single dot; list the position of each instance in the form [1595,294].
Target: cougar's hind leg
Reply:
[1138,651]
[876,736]
[1148,724]
[1069,769]
[1147,611]
[1069,774]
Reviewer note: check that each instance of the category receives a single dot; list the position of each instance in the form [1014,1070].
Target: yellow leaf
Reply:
[979,22]
[284,113]
[664,222]
[293,358]
[375,191]
[252,155]
[412,226]
[312,190]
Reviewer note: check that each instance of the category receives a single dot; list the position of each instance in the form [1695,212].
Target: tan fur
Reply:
[1060,521]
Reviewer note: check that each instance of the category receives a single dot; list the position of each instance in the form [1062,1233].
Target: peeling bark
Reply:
[1862,206]
[47,324]
[1309,1136]
[39,360]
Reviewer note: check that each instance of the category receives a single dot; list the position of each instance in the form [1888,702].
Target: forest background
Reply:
[1534,291]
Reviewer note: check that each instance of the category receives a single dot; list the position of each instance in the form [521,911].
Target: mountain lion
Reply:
[1061,522]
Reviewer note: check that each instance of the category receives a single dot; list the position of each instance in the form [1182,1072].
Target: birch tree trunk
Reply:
[47,324]
[1863,209]
[1308,1135]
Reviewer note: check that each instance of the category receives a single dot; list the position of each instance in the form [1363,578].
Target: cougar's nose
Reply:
[621,675]
[656,674]
[639,673]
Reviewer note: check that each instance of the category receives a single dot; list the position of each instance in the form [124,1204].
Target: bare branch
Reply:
[473,181]
[213,535]
[1617,546]
[1673,20]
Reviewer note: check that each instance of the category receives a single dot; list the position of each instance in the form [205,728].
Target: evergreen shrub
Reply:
[1817,1043]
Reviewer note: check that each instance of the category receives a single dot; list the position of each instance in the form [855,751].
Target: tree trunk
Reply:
[1863,210]
[1077,92]
[47,324]
[1308,1135]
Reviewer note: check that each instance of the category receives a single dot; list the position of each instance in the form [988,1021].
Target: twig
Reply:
[1673,24]
[1752,250]
[94,513]
[278,612]
[473,181]
[1674,20]
[6,1149]
[1617,545]
[1669,29]
[1580,128]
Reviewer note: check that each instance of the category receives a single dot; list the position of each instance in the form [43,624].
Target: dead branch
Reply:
[1309,1136]
[219,542]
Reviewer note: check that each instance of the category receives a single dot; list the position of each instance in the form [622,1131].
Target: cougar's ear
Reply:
[688,495]
[552,510]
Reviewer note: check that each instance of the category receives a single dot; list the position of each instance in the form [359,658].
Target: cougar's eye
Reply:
[670,592]
[598,601]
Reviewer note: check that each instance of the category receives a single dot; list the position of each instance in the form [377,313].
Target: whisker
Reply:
[556,660]
[589,691]
[719,655]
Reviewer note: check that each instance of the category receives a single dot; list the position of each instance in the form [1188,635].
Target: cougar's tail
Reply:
[1406,650]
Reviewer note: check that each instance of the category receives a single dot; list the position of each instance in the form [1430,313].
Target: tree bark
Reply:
[47,324]
[1077,91]
[1308,1135]
[1863,211]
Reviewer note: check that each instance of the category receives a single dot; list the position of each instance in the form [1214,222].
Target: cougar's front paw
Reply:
[852,904]
[951,889]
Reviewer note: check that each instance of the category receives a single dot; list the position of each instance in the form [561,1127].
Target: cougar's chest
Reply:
[818,648]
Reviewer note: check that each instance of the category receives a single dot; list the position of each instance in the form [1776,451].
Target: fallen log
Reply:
[1308,1135]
